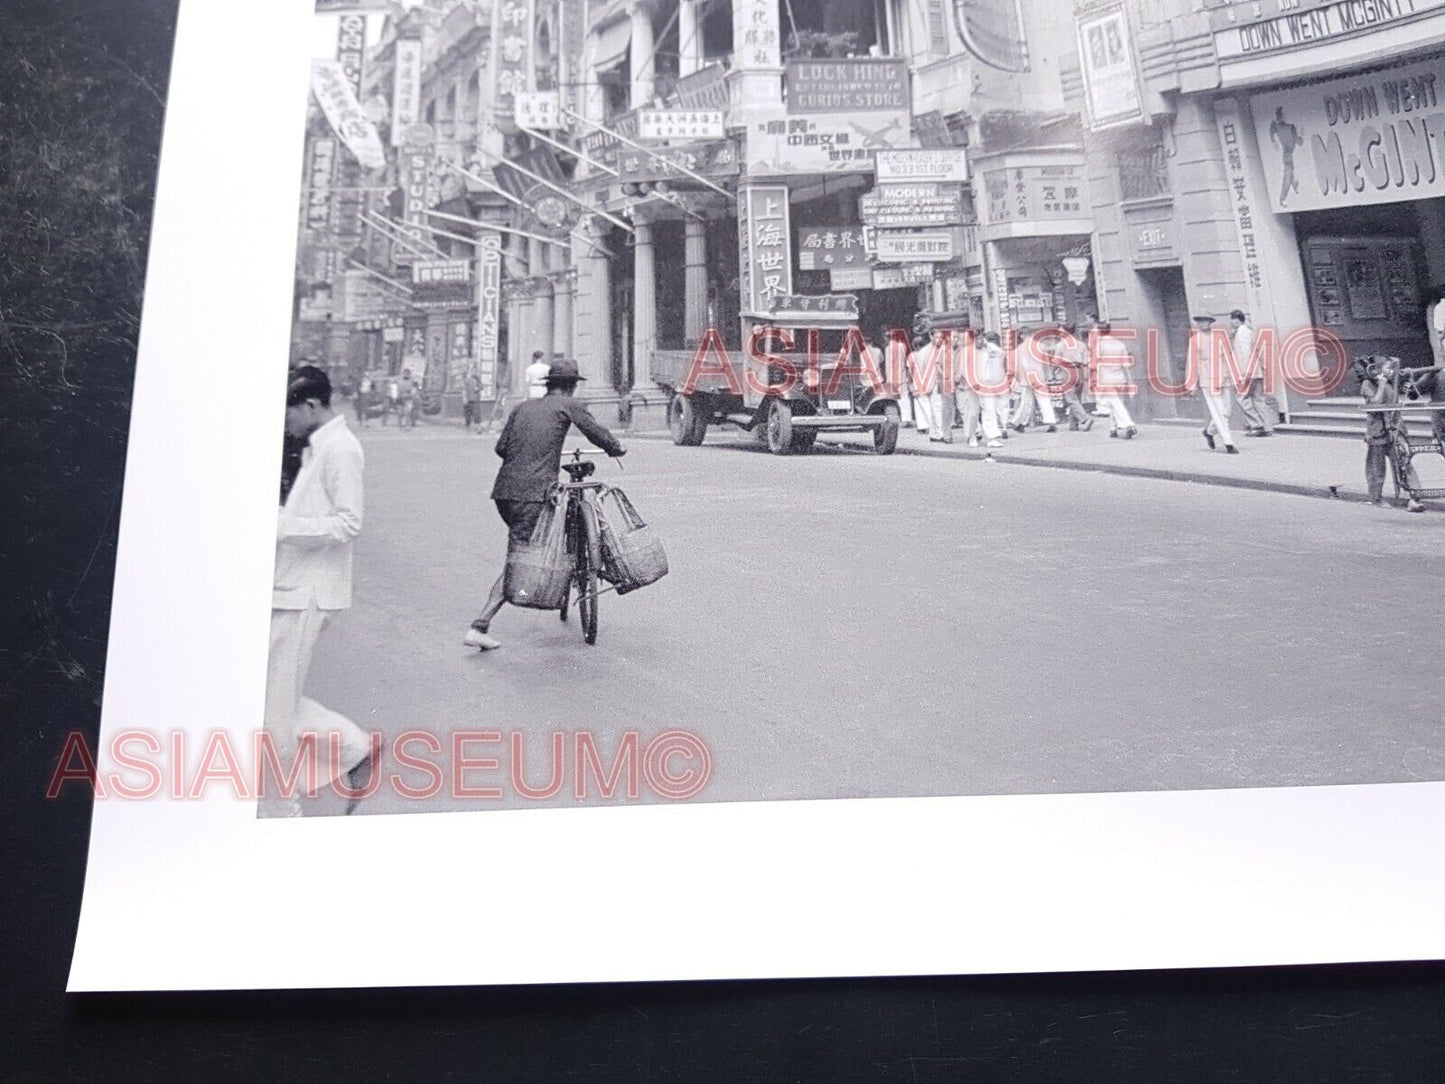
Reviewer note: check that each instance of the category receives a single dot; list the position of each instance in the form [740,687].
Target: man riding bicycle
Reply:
[531,451]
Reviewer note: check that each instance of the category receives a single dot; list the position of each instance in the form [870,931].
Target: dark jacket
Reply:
[531,445]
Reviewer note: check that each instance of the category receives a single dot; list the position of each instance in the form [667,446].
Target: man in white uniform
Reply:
[1208,362]
[536,376]
[317,525]
[923,385]
[1033,385]
[990,385]
[1112,380]
[1254,395]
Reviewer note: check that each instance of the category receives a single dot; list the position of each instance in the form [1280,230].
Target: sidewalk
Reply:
[1327,467]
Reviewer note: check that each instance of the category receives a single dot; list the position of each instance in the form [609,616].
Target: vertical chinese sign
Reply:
[756,36]
[765,260]
[511,58]
[406,89]
[1231,132]
[351,48]
[489,307]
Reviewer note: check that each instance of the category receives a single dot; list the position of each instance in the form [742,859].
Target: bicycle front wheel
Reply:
[588,558]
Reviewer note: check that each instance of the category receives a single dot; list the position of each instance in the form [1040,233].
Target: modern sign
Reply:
[1111,82]
[680,124]
[539,110]
[915,246]
[928,164]
[846,86]
[823,142]
[1359,140]
[405,89]
[764,239]
[899,205]
[825,248]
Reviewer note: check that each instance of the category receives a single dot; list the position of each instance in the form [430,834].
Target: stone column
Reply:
[644,309]
[643,63]
[689,37]
[592,312]
[537,267]
[695,279]
[561,300]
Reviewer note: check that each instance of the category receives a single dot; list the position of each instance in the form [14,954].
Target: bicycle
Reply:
[584,543]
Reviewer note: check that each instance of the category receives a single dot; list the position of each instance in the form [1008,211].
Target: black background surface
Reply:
[81,102]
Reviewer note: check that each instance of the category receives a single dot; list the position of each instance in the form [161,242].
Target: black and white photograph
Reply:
[698,452]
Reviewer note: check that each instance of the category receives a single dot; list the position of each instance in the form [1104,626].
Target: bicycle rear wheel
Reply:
[588,557]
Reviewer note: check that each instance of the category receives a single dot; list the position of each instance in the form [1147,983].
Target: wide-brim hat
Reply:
[1203,316]
[564,371]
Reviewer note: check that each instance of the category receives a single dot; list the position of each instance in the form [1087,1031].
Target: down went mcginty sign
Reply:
[1359,140]
[1246,30]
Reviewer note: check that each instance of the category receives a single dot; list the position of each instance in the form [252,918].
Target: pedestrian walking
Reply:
[1071,372]
[989,386]
[531,451]
[317,525]
[1254,397]
[536,376]
[1209,365]
[362,402]
[1383,429]
[893,355]
[1032,384]
[1435,329]
[408,399]
[1113,366]
[471,399]
[941,403]
[921,382]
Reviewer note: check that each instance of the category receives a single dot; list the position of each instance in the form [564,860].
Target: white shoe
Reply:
[973,442]
[479,639]
[995,443]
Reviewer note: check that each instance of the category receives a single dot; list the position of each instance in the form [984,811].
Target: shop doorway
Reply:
[1167,311]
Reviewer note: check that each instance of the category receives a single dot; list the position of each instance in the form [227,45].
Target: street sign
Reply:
[927,164]
[680,124]
[538,110]
[899,205]
[909,246]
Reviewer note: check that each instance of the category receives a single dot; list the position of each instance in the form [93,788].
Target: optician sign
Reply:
[1363,139]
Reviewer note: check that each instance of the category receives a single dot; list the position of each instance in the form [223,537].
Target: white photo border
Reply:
[203,895]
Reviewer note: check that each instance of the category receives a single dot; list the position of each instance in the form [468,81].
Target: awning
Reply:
[610,45]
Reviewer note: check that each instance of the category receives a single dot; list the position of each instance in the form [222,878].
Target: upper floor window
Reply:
[833,28]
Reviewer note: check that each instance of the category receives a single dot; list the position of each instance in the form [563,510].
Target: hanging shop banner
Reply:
[850,278]
[705,88]
[333,93]
[405,89]
[1349,142]
[351,48]
[1106,60]
[1033,193]
[489,307]
[757,34]
[718,159]
[680,124]
[900,205]
[937,165]
[915,246]
[320,174]
[846,86]
[539,110]
[826,248]
[993,31]
[1243,31]
[765,263]
[823,143]
[511,57]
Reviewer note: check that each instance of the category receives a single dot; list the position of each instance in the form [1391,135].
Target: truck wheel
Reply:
[885,437]
[683,419]
[803,440]
[780,428]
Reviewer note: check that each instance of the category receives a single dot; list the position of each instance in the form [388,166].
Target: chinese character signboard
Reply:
[1359,140]
[334,95]
[826,248]
[539,110]
[1034,193]
[756,34]
[709,159]
[511,57]
[489,307]
[896,205]
[679,124]
[910,246]
[942,166]
[351,48]
[1111,83]
[434,271]
[1231,130]
[765,262]
[846,86]
[805,305]
[320,175]
[822,143]
[406,89]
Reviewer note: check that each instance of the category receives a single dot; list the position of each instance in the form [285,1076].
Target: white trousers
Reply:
[994,413]
[923,413]
[290,715]
[1024,412]
[1219,404]
[1118,410]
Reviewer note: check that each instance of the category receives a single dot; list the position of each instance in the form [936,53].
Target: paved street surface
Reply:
[846,625]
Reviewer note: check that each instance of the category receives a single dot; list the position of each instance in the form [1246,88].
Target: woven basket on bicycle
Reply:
[632,554]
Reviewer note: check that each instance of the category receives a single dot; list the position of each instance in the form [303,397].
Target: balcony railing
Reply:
[1143,173]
